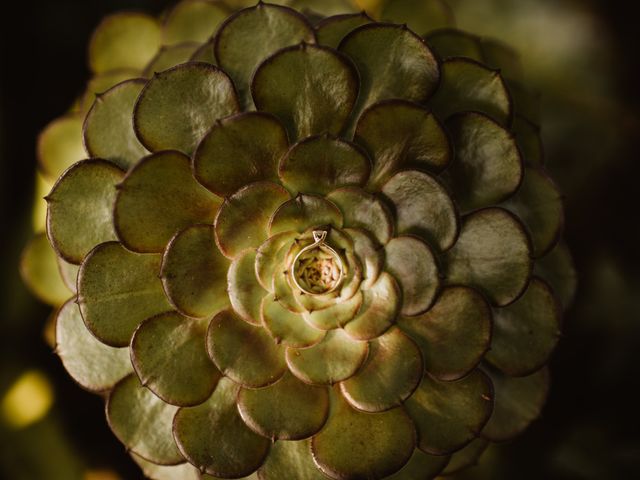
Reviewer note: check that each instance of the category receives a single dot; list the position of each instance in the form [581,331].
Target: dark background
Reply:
[590,427]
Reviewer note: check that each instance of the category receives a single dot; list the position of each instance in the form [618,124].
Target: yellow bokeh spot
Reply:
[27,400]
[372,7]
[101,475]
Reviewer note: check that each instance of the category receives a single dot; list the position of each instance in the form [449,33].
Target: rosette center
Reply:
[318,269]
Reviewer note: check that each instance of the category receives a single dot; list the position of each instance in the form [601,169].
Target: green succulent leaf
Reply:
[391,373]
[287,410]
[100,83]
[245,292]
[60,145]
[451,42]
[312,89]
[214,438]
[526,101]
[204,54]
[488,167]
[39,270]
[421,466]
[469,85]
[335,163]
[303,212]
[290,456]
[251,35]
[169,355]
[336,358]
[526,332]
[498,55]
[80,213]
[158,198]
[178,106]
[124,41]
[413,265]
[335,315]
[117,290]
[142,422]
[287,327]
[369,253]
[557,269]
[420,15]
[108,128]
[400,134]
[518,402]
[466,457]
[375,48]
[529,140]
[182,471]
[538,202]
[454,334]
[355,444]
[192,21]
[449,415]
[69,274]
[244,353]
[380,307]
[271,256]
[243,219]
[91,363]
[194,272]
[423,208]
[332,30]
[492,254]
[170,56]
[254,140]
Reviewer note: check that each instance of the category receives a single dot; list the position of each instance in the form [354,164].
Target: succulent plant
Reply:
[301,250]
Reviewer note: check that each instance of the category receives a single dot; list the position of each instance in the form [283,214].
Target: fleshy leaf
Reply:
[244,353]
[375,48]
[400,134]
[178,106]
[369,253]
[467,85]
[117,290]
[124,41]
[526,332]
[454,334]
[287,327]
[413,265]
[335,315]
[158,198]
[518,402]
[449,415]
[312,89]
[420,15]
[204,54]
[303,212]
[108,128]
[538,202]
[245,292]
[526,101]
[243,218]
[421,466]
[60,145]
[323,163]
[423,208]
[332,30]
[488,166]
[39,270]
[80,213]
[336,358]
[466,457]
[391,373]
[142,422]
[170,56]
[290,456]
[451,42]
[380,308]
[213,437]
[270,257]
[194,272]
[170,357]
[192,21]
[249,36]
[287,410]
[363,210]
[499,55]
[91,363]
[528,137]
[355,444]
[69,274]
[239,150]
[182,471]
[557,269]
[492,254]
[102,82]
